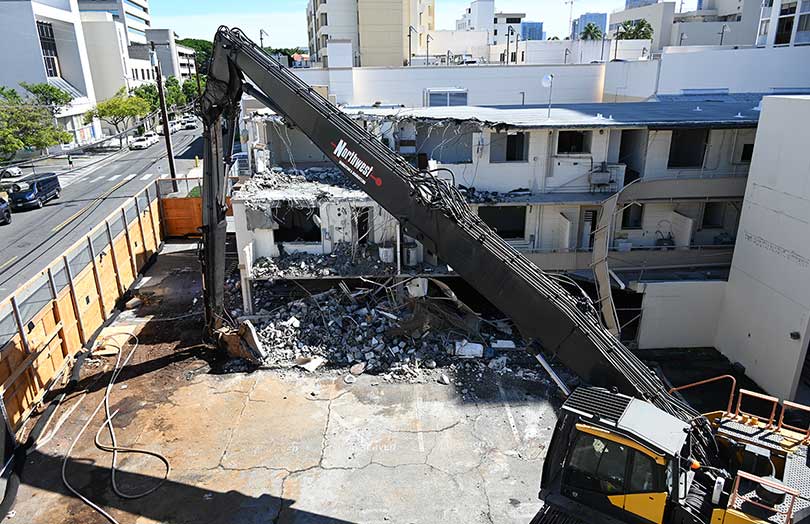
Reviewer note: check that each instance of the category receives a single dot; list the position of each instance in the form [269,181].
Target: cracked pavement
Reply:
[288,448]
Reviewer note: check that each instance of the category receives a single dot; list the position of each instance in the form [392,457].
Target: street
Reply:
[37,236]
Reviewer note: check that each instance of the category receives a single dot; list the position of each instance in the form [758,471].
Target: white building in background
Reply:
[570,51]
[481,16]
[784,22]
[135,15]
[175,60]
[506,26]
[730,22]
[381,32]
[45,42]
[113,66]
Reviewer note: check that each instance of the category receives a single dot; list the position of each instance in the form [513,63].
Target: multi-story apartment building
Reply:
[45,42]
[597,19]
[134,14]
[114,66]
[784,22]
[715,22]
[381,32]
[481,16]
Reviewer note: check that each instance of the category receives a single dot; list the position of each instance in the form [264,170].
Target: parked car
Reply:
[152,136]
[35,192]
[5,212]
[140,143]
[190,123]
[10,172]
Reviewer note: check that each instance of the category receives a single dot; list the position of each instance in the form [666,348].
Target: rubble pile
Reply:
[475,196]
[279,177]
[372,331]
[345,260]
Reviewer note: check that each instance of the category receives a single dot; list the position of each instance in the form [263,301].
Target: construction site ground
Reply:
[282,446]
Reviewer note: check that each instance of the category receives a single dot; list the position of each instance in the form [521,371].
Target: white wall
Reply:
[457,42]
[106,45]
[660,17]
[738,70]
[679,314]
[768,293]
[634,81]
[486,85]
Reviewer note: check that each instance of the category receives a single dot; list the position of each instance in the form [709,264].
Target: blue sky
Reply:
[285,20]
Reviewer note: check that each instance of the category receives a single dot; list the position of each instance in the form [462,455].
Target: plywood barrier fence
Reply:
[46,322]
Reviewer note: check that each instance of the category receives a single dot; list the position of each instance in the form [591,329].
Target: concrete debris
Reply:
[503,344]
[345,260]
[374,330]
[349,379]
[465,349]
[444,379]
[298,188]
[310,363]
[133,303]
[475,196]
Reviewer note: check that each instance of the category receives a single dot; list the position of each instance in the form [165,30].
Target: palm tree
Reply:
[591,31]
[553,38]
[626,31]
[642,30]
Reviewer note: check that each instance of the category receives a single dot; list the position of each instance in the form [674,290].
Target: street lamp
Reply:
[619,31]
[567,52]
[262,32]
[548,81]
[682,38]
[411,29]
[722,32]
[427,49]
[509,31]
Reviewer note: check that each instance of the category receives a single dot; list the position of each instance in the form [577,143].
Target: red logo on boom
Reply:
[377,180]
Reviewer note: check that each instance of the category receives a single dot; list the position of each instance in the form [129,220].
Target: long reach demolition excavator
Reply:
[624,449]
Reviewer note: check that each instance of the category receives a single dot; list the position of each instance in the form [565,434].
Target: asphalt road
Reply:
[37,236]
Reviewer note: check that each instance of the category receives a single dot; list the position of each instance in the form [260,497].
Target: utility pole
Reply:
[164,116]
[262,32]
[508,38]
[427,50]
[410,52]
[723,32]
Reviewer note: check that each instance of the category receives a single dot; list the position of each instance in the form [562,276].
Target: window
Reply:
[747,153]
[495,20]
[324,19]
[135,31]
[714,214]
[444,98]
[508,221]
[569,142]
[597,465]
[513,20]
[47,42]
[494,32]
[296,225]
[137,19]
[136,6]
[687,148]
[644,477]
[784,28]
[508,147]
[135,74]
[788,8]
[632,216]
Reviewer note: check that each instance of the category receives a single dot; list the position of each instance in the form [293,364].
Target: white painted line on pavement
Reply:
[147,176]
[96,179]
[130,177]
[114,177]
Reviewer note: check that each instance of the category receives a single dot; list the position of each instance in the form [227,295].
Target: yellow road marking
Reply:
[9,261]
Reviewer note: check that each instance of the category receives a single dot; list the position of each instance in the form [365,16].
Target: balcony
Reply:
[683,188]
[641,257]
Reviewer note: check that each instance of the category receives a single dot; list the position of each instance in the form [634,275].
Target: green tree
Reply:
[174,93]
[48,96]
[118,111]
[190,87]
[148,92]
[625,31]
[591,31]
[553,38]
[26,124]
[203,49]
[643,30]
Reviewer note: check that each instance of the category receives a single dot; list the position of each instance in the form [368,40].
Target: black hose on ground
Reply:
[21,450]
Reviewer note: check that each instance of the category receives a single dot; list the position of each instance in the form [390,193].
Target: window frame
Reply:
[713,225]
[624,224]
[494,136]
[587,142]
[683,165]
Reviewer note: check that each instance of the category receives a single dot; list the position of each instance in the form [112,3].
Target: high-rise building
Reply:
[783,22]
[381,31]
[597,19]
[532,31]
[481,16]
[630,4]
[134,14]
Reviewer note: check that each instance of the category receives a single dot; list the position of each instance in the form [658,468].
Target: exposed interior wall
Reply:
[719,158]
[766,311]
[679,314]
[283,142]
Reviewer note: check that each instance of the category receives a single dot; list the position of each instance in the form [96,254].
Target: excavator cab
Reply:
[614,457]
[617,459]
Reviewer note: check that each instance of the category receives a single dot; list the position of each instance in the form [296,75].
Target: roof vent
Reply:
[739,115]
[697,108]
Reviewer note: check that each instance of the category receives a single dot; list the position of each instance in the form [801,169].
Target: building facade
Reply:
[135,15]
[381,32]
[784,23]
[532,31]
[45,43]
[597,19]
[175,59]
[506,26]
